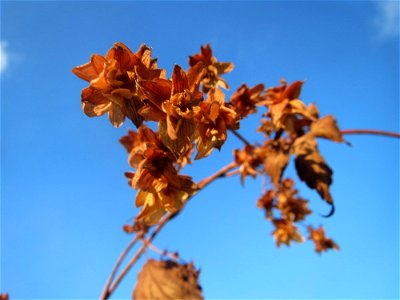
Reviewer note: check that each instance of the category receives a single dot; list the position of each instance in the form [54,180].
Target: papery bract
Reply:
[112,81]
[213,68]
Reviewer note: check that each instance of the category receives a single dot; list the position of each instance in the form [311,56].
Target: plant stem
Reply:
[137,255]
[371,131]
[105,293]
[240,137]
[220,173]
[110,288]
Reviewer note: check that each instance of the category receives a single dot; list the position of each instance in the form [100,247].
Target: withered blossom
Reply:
[174,104]
[137,143]
[266,202]
[284,106]
[112,79]
[245,99]
[267,128]
[183,103]
[248,160]
[213,68]
[322,243]
[285,232]
[292,207]
[161,188]
[212,122]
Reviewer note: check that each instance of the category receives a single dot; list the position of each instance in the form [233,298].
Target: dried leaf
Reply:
[326,127]
[275,162]
[167,280]
[311,166]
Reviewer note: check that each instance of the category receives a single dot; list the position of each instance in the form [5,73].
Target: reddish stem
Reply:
[105,293]
[371,131]
[110,288]
[240,137]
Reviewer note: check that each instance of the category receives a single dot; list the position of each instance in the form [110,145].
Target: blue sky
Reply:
[64,198]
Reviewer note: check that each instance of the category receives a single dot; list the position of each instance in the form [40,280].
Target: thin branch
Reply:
[153,248]
[240,137]
[105,293]
[220,173]
[202,184]
[138,254]
[371,131]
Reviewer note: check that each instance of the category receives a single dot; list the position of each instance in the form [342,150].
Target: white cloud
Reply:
[387,19]
[4,57]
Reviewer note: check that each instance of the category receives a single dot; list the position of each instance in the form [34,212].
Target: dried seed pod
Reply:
[167,280]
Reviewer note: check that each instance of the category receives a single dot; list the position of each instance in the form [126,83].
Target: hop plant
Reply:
[191,116]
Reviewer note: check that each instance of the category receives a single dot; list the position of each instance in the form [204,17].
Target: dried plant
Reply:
[193,116]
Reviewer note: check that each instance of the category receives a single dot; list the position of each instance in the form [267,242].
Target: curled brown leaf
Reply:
[167,280]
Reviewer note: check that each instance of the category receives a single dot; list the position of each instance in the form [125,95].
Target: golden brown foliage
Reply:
[192,119]
[191,113]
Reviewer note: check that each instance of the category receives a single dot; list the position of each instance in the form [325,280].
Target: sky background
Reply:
[64,198]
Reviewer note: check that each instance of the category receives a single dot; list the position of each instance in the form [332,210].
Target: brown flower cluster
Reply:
[160,187]
[286,209]
[192,114]
[290,128]
[189,109]
[113,83]
[126,84]
[322,243]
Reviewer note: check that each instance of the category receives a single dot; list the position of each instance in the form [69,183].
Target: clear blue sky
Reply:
[64,198]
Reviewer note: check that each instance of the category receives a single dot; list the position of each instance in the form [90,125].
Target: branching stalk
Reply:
[105,293]
[110,288]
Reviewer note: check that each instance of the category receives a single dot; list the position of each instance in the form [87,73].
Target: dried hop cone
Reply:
[167,280]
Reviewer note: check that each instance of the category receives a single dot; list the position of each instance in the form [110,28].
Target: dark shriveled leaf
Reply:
[311,166]
[167,280]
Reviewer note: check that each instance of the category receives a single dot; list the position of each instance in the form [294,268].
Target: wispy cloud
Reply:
[4,57]
[387,19]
